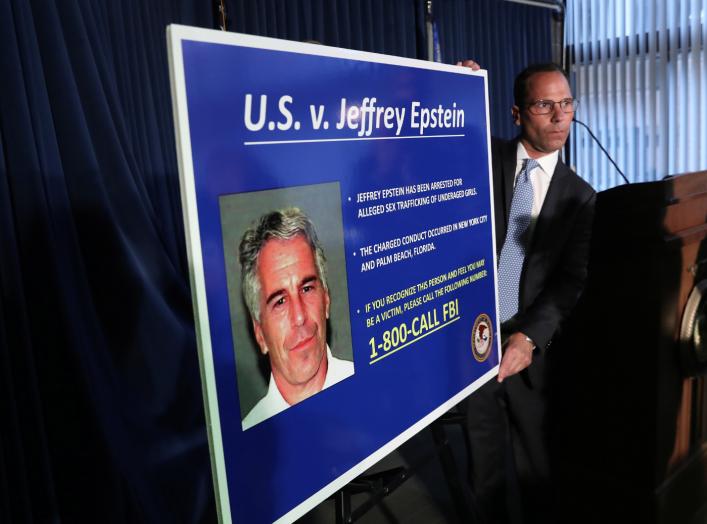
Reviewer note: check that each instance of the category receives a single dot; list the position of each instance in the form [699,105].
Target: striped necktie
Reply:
[513,252]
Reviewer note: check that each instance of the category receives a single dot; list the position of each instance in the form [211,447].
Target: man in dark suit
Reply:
[543,214]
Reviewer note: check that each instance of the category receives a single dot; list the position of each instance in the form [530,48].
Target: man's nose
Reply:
[558,113]
[297,310]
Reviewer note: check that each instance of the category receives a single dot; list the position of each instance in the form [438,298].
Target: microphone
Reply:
[574,120]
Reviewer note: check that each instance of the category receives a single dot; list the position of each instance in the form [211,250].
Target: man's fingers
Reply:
[502,373]
[514,361]
[506,370]
[470,64]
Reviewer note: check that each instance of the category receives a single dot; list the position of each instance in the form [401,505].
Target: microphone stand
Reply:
[574,120]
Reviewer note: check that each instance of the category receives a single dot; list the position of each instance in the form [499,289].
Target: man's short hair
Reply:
[520,86]
[283,224]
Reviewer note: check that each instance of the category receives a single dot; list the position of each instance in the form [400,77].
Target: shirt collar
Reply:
[274,392]
[547,162]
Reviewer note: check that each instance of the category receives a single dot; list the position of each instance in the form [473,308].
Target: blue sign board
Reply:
[322,352]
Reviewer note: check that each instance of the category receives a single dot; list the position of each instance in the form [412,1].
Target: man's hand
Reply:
[517,355]
[470,64]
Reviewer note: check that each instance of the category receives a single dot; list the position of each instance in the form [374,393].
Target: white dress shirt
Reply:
[273,402]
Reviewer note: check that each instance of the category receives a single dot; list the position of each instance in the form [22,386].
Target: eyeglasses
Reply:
[545,107]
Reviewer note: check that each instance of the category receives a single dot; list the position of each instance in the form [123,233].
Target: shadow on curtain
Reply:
[393,27]
[101,407]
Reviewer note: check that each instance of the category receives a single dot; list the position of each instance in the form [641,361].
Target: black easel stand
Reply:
[463,497]
[381,484]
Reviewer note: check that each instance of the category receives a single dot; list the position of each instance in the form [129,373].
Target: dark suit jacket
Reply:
[555,265]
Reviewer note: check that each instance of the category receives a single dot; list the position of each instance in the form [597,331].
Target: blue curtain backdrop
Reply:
[503,37]
[394,27]
[101,416]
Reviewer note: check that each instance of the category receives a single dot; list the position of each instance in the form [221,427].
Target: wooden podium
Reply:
[629,400]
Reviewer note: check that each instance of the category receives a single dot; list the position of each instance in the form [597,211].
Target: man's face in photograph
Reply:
[294,307]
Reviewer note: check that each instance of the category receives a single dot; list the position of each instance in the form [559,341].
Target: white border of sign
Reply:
[175,35]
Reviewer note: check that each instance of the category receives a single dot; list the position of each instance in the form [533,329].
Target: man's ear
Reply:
[327,301]
[259,338]
[515,111]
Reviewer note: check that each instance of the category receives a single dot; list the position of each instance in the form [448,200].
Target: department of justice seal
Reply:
[481,337]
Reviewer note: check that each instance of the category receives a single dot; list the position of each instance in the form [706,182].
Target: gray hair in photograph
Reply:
[283,224]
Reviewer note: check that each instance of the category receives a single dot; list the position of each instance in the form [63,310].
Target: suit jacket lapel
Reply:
[509,174]
[504,175]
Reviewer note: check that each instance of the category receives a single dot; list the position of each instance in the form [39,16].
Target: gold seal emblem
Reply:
[481,337]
